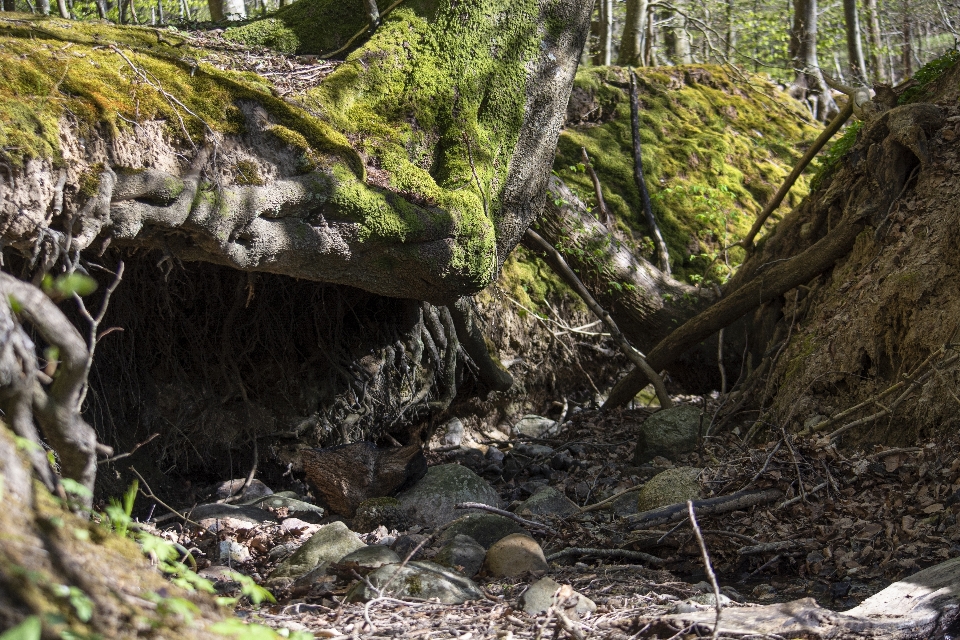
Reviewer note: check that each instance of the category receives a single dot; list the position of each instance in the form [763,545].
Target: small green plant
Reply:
[68,284]
[82,605]
[930,72]
[830,160]
[29,629]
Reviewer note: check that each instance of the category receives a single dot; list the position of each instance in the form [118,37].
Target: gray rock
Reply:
[419,580]
[462,551]
[533,450]
[515,554]
[453,433]
[668,433]
[539,597]
[372,557]
[672,486]
[536,427]
[376,512]
[233,551]
[485,528]
[297,508]
[625,505]
[320,573]
[331,543]
[548,501]
[431,501]
[233,487]
[219,516]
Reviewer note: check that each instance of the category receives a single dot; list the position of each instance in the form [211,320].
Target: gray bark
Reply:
[227,10]
[873,34]
[803,49]
[634,31]
[858,67]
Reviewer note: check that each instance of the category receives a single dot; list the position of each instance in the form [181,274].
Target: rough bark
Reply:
[874,40]
[803,52]
[634,34]
[858,67]
[221,10]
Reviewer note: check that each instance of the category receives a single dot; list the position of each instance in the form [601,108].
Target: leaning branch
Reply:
[560,265]
[709,507]
[662,252]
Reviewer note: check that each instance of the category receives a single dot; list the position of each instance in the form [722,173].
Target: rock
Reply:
[485,528]
[419,580]
[431,501]
[233,551]
[625,505]
[672,486]
[453,433]
[539,597]
[701,602]
[533,450]
[495,455]
[515,554]
[376,512]
[347,475]
[320,573]
[548,501]
[372,557]
[536,427]
[331,543]
[668,433]
[405,544]
[215,517]
[298,508]
[464,552]
[233,487]
[296,524]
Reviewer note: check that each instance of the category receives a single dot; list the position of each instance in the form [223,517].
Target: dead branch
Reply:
[560,265]
[662,252]
[607,553]
[709,507]
[770,547]
[604,217]
[708,567]
[506,514]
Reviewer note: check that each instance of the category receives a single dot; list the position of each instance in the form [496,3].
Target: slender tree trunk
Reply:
[803,44]
[907,52]
[676,38]
[44,7]
[102,9]
[634,30]
[731,32]
[62,8]
[9,5]
[227,10]
[873,34]
[605,57]
[858,67]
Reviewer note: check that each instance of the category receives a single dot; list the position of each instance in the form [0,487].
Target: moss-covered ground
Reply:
[715,148]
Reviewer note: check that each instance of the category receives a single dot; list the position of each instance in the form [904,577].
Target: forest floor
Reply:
[864,520]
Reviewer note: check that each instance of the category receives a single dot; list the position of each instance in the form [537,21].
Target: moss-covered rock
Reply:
[673,486]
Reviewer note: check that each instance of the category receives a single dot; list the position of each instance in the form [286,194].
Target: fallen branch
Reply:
[708,567]
[603,504]
[605,217]
[607,553]
[770,547]
[819,487]
[709,507]
[506,514]
[564,271]
[662,253]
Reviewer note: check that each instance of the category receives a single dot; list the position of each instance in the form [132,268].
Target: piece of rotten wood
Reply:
[921,606]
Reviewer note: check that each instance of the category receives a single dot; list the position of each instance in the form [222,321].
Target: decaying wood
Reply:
[560,266]
[711,506]
[345,476]
[921,606]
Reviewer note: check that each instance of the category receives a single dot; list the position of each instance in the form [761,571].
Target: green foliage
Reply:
[829,160]
[240,630]
[928,74]
[271,33]
[29,629]
[64,286]
[82,605]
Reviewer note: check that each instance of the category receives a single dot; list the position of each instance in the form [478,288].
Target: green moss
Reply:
[89,183]
[929,74]
[271,33]
[528,280]
[414,584]
[830,160]
[246,172]
[713,150]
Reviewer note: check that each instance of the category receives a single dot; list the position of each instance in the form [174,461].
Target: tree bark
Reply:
[803,49]
[221,10]
[906,54]
[858,67]
[874,39]
[676,37]
[605,55]
[634,32]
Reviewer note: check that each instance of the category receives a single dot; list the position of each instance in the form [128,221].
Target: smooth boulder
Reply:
[668,433]
[425,580]
[463,553]
[330,544]
[430,502]
[672,486]
[515,554]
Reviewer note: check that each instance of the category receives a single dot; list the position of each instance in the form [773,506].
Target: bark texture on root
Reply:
[919,607]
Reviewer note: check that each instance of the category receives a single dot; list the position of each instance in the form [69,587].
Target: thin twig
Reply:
[500,512]
[708,567]
[149,494]
[94,322]
[607,553]
[131,452]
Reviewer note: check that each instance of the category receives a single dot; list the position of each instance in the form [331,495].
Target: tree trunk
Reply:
[44,7]
[803,48]
[906,54]
[605,55]
[676,37]
[221,10]
[634,32]
[9,5]
[873,32]
[858,67]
